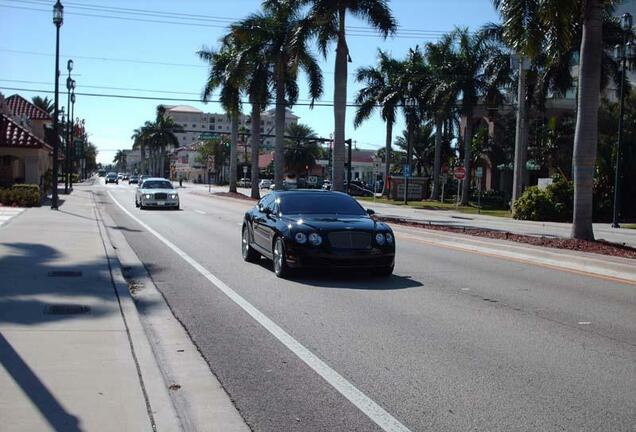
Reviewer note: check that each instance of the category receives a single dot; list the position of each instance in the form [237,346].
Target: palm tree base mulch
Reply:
[599,246]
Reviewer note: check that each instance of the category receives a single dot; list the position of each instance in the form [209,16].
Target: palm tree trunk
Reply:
[279,121]
[256,140]
[468,137]
[340,105]
[234,150]
[387,155]
[438,157]
[162,161]
[521,139]
[586,135]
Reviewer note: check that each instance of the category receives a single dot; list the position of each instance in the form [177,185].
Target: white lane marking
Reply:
[200,211]
[371,409]
[585,322]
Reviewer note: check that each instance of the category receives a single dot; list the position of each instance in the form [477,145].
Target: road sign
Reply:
[460,173]
[480,172]
[407,170]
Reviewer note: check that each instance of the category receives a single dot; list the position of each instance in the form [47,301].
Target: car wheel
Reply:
[248,252]
[280,261]
[136,203]
[385,271]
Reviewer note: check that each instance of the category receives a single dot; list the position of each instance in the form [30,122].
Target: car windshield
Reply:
[318,203]
[157,184]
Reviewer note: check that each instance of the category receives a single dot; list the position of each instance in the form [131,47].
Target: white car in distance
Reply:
[156,192]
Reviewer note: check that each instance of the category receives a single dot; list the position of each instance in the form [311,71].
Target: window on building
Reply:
[211,127]
[194,125]
[212,119]
[219,127]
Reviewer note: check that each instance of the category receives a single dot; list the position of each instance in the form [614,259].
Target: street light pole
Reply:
[410,106]
[71,149]
[67,169]
[58,19]
[622,53]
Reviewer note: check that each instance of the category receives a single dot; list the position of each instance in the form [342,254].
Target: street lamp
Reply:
[67,165]
[58,19]
[72,131]
[625,51]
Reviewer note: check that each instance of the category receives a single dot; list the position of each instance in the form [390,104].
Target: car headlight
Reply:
[301,238]
[147,196]
[174,196]
[389,238]
[379,239]
[315,239]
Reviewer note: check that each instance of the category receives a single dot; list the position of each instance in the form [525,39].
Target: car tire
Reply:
[281,269]
[247,251]
[136,203]
[384,271]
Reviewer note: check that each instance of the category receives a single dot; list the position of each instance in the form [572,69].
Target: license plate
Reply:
[161,202]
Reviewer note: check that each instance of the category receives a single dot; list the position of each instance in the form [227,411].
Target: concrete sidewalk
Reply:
[73,353]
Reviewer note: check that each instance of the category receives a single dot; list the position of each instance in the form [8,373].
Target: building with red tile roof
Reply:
[24,156]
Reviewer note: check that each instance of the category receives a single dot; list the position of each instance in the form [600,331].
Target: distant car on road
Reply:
[156,192]
[111,177]
[316,229]
[125,176]
[265,184]
[134,179]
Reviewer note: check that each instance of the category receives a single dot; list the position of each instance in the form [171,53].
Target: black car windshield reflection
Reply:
[318,203]
[157,184]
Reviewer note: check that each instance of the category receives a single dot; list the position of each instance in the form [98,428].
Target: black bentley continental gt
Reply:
[316,229]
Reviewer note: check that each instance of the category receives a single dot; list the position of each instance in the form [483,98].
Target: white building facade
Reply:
[197,123]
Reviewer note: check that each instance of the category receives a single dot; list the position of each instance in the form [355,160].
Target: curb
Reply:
[162,413]
[198,399]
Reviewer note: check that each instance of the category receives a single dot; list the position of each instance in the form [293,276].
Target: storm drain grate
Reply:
[66,309]
[65,273]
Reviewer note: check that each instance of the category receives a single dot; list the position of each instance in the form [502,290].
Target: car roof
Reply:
[156,178]
[283,192]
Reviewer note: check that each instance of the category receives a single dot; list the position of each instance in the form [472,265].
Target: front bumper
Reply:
[152,202]
[300,256]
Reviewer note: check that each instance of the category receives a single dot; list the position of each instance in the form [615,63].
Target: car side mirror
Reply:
[370,212]
[265,210]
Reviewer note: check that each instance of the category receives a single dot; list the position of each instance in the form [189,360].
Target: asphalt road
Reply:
[454,341]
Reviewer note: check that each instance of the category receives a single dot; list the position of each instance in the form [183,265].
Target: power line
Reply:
[359,32]
[169,99]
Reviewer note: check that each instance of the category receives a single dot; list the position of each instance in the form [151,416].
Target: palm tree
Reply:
[46,104]
[140,139]
[301,149]
[329,18]
[475,69]
[423,146]
[379,91]
[280,35]
[120,160]
[441,101]
[224,74]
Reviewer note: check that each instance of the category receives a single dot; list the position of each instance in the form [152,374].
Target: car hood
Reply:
[154,191]
[334,222]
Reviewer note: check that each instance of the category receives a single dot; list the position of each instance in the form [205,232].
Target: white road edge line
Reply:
[365,404]
[200,211]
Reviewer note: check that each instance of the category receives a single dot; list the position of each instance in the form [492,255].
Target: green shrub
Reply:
[535,205]
[23,195]
[553,204]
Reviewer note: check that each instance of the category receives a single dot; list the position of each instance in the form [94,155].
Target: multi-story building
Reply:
[198,124]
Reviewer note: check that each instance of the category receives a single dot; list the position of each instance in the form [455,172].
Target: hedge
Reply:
[553,204]
[21,195]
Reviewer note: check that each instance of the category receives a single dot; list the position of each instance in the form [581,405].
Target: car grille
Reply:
[161,196]
[350,240]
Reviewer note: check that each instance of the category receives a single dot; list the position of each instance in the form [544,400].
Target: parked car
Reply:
[125,176]
[156,192]
[244,182]
[134,179]
[111,177]
[316,229]
[358,188]
[120,176]
[326,185]
[265,184]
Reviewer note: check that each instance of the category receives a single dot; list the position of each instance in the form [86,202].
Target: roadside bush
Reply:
[23,195]
[554,204]
[535,205]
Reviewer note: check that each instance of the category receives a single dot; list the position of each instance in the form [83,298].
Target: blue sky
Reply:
[115,55]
